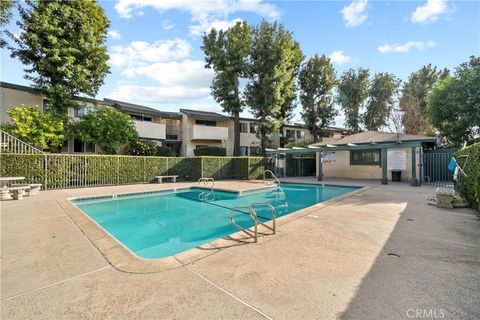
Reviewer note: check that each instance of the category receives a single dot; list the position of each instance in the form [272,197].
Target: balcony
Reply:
[150,130]
[209,133]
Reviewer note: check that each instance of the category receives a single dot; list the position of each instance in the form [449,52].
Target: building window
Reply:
[82,147]
[149,119]
[207,123]
[300,134]
[45,103]
[365,157]
[81,111]
[243,151]
[243,127]
[290,134]
[253,128]
[254,151]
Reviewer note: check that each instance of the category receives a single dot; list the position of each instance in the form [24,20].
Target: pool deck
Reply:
[380,253]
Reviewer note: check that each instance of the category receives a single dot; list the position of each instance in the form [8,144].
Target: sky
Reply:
[156,59]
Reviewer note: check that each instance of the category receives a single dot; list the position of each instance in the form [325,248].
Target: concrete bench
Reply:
[18,192]
[160,178]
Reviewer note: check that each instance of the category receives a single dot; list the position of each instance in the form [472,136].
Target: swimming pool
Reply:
[164,223]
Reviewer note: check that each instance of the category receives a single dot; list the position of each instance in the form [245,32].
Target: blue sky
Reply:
[156,58]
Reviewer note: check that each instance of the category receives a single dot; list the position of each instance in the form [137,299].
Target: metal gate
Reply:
[434,169]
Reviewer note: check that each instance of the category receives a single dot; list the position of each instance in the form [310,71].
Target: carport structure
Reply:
[377,142]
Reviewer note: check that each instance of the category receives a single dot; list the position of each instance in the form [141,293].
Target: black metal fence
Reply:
[434,167]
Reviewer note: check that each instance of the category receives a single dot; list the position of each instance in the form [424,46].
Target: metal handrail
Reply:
[274,214]
[252,215]
[273,175]
[205,181]
[11,144]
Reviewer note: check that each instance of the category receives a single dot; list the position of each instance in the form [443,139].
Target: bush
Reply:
[211,151]
[145,147]
[469,186]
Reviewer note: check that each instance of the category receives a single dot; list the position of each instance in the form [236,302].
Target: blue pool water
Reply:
[162,224]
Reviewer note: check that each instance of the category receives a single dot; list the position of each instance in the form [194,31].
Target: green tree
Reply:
[5,16]
[106,128]
[413,99]
[226,52]
[41,130]
[317,78]
[275,60]
[380,100]
[352,92]
[63,43]
[453,105]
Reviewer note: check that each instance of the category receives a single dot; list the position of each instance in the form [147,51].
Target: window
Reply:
[81,111]
[243,127]
[45,103]
[253,128]
[149,119]
[198,146]
[80,146]
[300,134]
[207,123]
[243,151]
[290,134]
[365,157]
[254,151]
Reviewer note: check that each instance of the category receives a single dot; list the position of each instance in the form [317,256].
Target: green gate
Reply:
[434,170]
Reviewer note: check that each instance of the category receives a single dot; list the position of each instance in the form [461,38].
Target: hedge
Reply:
[56,171]
[469,186]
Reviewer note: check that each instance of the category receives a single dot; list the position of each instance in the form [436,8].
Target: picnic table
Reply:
[5,181]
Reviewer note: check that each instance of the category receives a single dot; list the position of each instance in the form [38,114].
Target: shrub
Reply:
[211,151]
[164,152]
[470,185]
[141,147]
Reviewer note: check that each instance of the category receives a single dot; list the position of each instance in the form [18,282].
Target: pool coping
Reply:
[123,259]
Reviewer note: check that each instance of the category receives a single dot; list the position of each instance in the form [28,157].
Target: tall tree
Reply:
[275,59]
[226,52]
[63,43]
[380,100]
[352,92]
[5,16]
[413,99]
[453,105]
[317,79]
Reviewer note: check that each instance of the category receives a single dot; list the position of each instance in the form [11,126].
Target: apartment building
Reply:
[182,131]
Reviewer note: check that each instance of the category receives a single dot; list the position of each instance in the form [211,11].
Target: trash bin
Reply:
[396,175]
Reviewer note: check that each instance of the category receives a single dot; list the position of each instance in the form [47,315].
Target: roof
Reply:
[135,108]
[32,90]
[204,115]
[375,137]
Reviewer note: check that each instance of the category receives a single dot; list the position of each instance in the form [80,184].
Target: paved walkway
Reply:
[381,254]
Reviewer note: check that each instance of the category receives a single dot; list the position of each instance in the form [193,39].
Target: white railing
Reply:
[11,144]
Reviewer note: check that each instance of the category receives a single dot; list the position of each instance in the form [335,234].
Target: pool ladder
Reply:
[206,195]
[253,214]
[273,176]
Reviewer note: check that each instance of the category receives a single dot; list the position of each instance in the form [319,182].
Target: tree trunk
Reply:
[236,121]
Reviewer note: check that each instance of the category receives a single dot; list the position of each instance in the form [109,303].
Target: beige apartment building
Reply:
[182,131]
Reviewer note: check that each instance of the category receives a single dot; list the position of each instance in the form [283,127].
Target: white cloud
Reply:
[170,94]
[207,25]
[200,9]
[139,53]
[188,73]
[404,48]
[114,34]
[430,12]
[167,25]
[339,57]
[354,14]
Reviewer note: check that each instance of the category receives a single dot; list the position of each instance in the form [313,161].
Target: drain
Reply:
[410,220]
[394,255]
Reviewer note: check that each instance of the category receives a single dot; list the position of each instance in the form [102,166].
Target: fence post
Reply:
[45,167]
[118,170]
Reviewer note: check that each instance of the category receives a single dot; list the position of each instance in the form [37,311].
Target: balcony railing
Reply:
[209,133]
[150,130]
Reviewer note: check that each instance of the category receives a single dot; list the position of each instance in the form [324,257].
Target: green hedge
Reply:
[469,186]
[57,171]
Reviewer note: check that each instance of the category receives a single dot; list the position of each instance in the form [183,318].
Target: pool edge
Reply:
[123,259]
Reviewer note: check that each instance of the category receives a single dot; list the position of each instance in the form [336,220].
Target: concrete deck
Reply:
[378,254]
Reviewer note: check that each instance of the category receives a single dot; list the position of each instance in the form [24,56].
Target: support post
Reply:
[414,181]
[384,166]
[320,167]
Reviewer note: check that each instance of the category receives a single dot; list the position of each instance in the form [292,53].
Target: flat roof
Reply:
[204,115]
